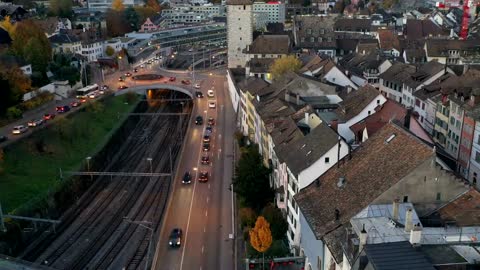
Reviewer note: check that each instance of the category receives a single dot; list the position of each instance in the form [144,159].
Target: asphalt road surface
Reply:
[202,210]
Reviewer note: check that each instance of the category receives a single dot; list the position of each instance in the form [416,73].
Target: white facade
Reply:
[475,156]
[116,44]
[239,33]
[426,114]
[275,10]
[92,51]
[233,91]
[260,20]
[344,128]
[335,76]
[103,5]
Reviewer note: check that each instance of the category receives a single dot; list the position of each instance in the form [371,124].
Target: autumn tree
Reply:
[7,25]
[260,236]
[13,85]
[61,8]
[109,51]
[283,65]
[116,24]
[154,5]
[145,12]
[117,5]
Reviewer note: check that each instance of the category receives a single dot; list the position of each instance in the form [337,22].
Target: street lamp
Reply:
[142,224]
[151,167]
[88,166]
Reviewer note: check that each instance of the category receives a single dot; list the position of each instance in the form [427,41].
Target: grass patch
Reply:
[31,166]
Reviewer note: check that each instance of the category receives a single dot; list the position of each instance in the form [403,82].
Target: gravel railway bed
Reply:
[93,233]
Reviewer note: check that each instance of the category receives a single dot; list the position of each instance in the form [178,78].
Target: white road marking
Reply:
[204,229]
[208,186]
[203,249]
[208,198]
[206,213]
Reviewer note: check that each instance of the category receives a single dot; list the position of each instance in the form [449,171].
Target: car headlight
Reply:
[178,242]
[170,242]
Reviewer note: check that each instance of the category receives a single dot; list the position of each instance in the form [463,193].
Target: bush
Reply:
[14,113]
[247,217]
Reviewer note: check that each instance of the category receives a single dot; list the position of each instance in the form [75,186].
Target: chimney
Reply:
[363,238]
[474,97]
[306,119]
[409,220]
[406,121]
[349,89]
[416,235]
[337,214]
[395,206]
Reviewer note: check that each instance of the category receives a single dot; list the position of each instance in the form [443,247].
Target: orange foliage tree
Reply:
[260,235]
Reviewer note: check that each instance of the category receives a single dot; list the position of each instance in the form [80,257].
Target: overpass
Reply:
[142,89]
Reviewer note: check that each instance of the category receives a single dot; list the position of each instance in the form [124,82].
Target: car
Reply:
[175,239]
[206,147]
[104,87]
[83,100]
[35,123]
[101,92]
[211,121]
[121,79]
[48,116]
[186,82]
[3,138]
[122,87]
[75,103]
[135,70]
[190,50]
[203,176]
[198,94]
[198,120]
[205,160]
[210,93]
[187,178]
[62,109]
[93,95]
[19,129]
[208,129]
[197,86]
[211,105]
[128,74]
[206,138]
[172,79]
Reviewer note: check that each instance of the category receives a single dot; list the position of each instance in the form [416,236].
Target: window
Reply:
[423,106]
[405,199]
[439,196]
[327,160]
[417,102]
[477,157]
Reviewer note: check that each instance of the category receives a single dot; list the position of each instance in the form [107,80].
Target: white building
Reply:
[275,10]
[260,20]
[103,5]
[92,51]
[239,31]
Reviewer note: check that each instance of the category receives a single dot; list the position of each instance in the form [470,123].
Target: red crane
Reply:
[465,17]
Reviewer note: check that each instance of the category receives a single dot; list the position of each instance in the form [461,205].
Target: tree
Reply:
[154,5]
[339,6]
[252,180]
[260,236]
[34,53]
[116,25]
[117,5]
[13,84]
[387,4]
[278,223]
[131,17]
[61,8]
[284,64]
[109,51]
[7,25]
[145,12]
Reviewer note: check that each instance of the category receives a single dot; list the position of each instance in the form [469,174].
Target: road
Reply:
[202,210]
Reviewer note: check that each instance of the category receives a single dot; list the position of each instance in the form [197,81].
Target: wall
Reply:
[474,172]
[337,77]
[422,186]
[239,33]
[465,148]
[312,248]
[233,91]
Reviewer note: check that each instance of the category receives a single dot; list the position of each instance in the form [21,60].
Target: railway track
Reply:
[94,234]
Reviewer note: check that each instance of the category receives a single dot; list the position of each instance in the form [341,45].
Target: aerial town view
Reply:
[240,134]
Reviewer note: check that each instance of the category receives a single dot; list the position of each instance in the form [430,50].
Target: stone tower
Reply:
[239,31]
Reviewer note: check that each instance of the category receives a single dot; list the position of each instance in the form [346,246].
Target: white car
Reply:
[210,93]
[197,86]
[93,95]
[19,129]
[211,105]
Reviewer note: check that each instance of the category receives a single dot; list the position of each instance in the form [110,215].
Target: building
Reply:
[365,68]
[326,70]
[315,33]
[104,5]
[262,53]
[452,52]
[92,50]
[65,42]
[274,9]
[260,19]
[240,33]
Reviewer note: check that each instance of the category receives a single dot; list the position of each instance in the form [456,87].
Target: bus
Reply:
[82,93]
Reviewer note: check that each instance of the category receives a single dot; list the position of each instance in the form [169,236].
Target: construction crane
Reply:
[466,13]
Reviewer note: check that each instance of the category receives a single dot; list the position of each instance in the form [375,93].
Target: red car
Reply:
[48,116]
[172,79]
[187,82]
[203,177]
[75,104]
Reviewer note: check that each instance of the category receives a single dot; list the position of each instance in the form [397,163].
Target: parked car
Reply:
[175,239]
[48,116]
[186,82]
[197,86]
[19,129]
[205,160]
[198,94]
[199,120]
[210,93]
[75,104]
[62,109]
[187,178]
[3,138]
[172,79]
[203,177]
[35,123]
[211,105]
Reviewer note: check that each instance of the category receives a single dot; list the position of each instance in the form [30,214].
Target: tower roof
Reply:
[239,2]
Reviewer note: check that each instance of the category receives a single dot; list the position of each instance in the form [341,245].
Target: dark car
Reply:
[206,138]
[187,178]
[128,74]
[205,160]
[122,87]
[62,109]
[211,121]
[209,128]
[203,177]
[3,138]
[121,79]
[206,147]
[199,120]
[75,104]
[172,79]
[48,116]
[135,70]
[175,239]
[198,94]
[186,82]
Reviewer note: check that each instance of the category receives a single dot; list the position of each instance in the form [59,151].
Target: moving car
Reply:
[206,138]
[122,87]
[3,138]
[121,79]
[135,70]
[62,109]
[94,94]
[199,120]
[105,87]
[75,104]
[172,79]
[203,177]
[197,86]
[208,129]
[128,74]
[175,239]
[19,129]
[35,123]
[48,116]
[211,121]
[206,147]
[205,160]
[186,82]
[187,178]
[210,93]
[83,100]
[211,105]
[198,94]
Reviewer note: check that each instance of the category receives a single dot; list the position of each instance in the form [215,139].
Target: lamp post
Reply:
[88,166]
[150,162]
[142,224]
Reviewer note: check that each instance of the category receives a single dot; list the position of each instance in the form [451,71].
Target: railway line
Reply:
[94,233]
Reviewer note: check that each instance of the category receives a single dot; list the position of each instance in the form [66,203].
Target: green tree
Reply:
[277,221]
[118,5]
[252,180]
[109,51]
[154,5]
[283,65]
[61,8]
[144,13]
[131,17]
[14,113]
[34,53]
[13,84]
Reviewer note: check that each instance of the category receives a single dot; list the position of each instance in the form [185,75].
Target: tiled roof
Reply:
[302,153]
[373,168]
[357,63]
[270,44]
[396,256]
[440,47]
[260,65]
[63,38]
[464,210]
[252,85]
[388,39]
[356,101]
[307,27]
[357,25]
[418,29]
[366,46]
[239,2]
[408,74]
[283,131]
[49,24]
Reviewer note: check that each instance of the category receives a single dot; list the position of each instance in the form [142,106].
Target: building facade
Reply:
[239,31]
[275,10]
